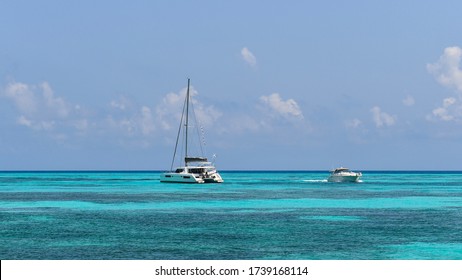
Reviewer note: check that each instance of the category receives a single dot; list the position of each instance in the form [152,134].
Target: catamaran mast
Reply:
[186,124]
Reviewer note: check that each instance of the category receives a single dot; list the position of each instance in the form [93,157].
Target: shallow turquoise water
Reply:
[253,215]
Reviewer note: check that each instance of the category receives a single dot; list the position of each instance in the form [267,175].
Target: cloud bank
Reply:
[38,106]
[40,109]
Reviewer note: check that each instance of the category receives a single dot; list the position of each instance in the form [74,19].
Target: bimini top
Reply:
[340,169]
[195,159]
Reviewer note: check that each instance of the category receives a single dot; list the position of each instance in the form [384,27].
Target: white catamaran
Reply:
[196,169]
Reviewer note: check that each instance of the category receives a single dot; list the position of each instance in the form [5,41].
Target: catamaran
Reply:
[196,169]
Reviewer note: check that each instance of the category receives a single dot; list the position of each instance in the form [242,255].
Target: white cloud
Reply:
[287,109]
[447,69]
[23,96]
[55,104]
[140,122]
[206,115]
[37,105]
[248,57]
[447,72]
[169,111]
[30,102]
[381,118]
[409,101]
[449,111]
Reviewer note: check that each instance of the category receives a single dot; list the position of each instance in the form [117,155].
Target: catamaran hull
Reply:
[180,178]
[215,178]
[190,178]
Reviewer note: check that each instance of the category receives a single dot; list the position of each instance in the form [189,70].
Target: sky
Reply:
[277,85]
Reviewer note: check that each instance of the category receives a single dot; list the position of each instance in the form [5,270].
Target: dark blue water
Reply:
[253,215]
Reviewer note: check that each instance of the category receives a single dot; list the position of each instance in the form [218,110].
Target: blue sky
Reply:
[307,85]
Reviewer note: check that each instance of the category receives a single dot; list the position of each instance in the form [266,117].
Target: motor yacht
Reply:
[343,174]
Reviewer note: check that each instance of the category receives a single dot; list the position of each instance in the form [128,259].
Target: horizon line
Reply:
[230,170]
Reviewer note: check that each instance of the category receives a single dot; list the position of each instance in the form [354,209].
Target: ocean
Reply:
[253,215]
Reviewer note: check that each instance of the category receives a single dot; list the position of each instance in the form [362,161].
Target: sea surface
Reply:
[253,215]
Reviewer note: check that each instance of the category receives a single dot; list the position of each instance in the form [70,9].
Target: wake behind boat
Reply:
[343,174]
[196,169]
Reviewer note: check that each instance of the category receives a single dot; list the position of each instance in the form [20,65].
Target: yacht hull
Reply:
[215,178]
[172,177]
[180,178]
[344,175]
[344,179]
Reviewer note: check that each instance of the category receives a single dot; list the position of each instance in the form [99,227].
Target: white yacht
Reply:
[343,174]
[196,169]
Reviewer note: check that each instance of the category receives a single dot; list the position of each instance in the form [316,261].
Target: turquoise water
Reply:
[253,215]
